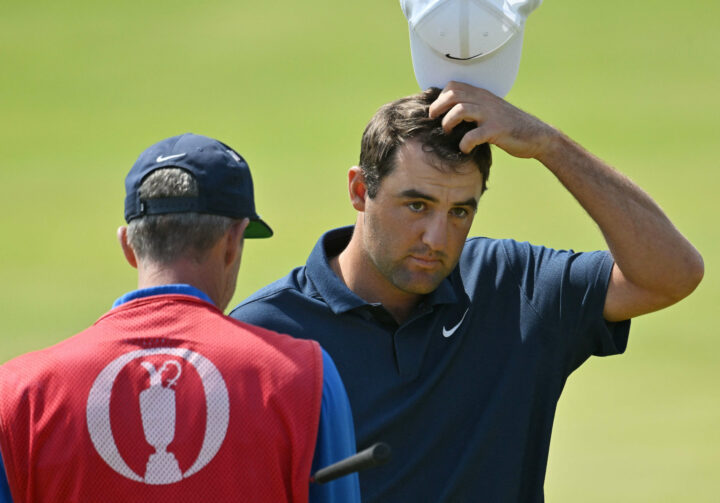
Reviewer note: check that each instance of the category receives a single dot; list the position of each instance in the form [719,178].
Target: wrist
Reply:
[555,148]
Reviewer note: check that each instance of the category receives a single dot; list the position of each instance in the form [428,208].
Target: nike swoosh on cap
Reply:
[447,333]
[168,157]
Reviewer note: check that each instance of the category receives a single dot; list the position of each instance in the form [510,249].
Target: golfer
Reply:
[164,398]
[455,351]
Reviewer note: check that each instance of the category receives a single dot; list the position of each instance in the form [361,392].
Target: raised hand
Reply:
[498,122]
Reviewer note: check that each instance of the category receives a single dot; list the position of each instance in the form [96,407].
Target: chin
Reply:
[420,286]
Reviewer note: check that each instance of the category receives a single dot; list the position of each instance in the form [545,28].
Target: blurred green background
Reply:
[86,86]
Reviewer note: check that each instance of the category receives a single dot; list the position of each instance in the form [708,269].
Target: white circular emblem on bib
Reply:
[158,411]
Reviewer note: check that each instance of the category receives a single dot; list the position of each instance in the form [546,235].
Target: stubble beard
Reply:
[397,270]
[399,273]
[415,282]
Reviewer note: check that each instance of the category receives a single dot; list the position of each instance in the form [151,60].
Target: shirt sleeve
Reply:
[335,439]
[585,281]
[568,289]
[4,486]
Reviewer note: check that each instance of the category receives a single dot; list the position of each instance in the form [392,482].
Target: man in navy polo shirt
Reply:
[454,350]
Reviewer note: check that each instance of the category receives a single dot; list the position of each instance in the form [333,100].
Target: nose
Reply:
[435,234]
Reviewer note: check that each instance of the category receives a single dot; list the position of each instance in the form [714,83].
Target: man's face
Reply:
[415,228]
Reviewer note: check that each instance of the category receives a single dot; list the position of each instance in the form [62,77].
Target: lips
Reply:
[427,262]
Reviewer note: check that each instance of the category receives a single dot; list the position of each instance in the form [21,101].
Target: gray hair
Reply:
[165,238]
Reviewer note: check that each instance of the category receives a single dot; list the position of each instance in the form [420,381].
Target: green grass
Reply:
[85,86]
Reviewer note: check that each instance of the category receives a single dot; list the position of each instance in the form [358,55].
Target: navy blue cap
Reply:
[225,186]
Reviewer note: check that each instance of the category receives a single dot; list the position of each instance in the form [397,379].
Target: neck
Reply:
[199,275]
[361,276]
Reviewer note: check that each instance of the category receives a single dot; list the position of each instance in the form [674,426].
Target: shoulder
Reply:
[33,374]
[524,254]
[294,283]
[534,269]
[280,304]
[30,366]
[15,374]
[489,256]
[497,250]
[500,249]
[265,344]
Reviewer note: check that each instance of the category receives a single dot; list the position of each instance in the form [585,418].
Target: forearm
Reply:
[651,253]
[655,265]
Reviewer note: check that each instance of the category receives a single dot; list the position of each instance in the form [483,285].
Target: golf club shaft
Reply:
[375,455]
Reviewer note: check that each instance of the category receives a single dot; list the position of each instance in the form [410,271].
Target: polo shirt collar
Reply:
[336,294]
[179,288]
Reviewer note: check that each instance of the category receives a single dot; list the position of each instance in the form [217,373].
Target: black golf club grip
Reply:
[375,455]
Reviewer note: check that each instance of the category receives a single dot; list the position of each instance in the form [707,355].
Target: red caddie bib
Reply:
[164,399]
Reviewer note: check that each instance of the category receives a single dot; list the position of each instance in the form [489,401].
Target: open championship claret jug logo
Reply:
[132,431]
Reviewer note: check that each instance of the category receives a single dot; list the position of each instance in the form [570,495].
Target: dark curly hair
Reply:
[405,119]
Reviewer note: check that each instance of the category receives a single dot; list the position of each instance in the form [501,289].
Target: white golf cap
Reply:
[478,42]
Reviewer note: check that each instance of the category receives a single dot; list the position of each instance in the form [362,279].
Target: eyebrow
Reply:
[416,194]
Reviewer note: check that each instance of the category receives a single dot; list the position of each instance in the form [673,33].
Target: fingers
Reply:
[498,122]
[458,92]
[473,138]
[469,112]
[443,103]
[463,102]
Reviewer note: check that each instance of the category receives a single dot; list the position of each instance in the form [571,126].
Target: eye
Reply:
[459,212]
[416,206]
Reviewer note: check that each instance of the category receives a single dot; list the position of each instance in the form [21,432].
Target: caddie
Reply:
[455,350]
[165,398]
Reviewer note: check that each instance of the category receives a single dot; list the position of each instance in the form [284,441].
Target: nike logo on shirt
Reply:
[168,157]
[448,333]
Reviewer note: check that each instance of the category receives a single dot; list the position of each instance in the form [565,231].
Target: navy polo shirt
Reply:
[465,390]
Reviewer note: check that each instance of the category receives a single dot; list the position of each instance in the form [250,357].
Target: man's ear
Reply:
[127,250]
[234,240]
[357,188]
